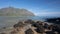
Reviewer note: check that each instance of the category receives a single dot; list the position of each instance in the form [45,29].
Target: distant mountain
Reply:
[11,11]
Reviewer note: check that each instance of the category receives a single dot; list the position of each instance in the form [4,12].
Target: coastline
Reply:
[10,29]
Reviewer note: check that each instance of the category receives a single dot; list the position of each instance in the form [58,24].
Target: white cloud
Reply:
[48,13]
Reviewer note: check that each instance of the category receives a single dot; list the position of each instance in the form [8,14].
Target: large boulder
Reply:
[29,31]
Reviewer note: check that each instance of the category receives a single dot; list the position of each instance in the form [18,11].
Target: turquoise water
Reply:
[6,21]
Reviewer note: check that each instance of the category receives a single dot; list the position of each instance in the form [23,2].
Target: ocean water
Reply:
[6,21]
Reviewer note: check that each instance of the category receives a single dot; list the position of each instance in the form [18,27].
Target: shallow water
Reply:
[6,21]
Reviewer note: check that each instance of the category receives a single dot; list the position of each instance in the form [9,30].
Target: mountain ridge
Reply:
[11,11]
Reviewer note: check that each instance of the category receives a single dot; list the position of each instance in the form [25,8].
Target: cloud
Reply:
[48,14]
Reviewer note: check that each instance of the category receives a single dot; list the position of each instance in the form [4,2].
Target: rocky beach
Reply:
[31,27]
[29,16]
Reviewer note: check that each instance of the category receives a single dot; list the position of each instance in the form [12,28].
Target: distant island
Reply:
[11,11]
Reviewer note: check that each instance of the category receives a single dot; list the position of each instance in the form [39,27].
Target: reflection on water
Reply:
[9,21]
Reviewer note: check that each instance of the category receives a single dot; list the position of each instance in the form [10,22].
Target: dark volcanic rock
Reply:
[54,20]
[29,31]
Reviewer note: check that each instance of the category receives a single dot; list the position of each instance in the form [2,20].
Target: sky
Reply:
[38,7]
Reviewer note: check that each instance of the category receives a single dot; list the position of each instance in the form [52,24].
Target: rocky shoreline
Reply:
[31,27]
